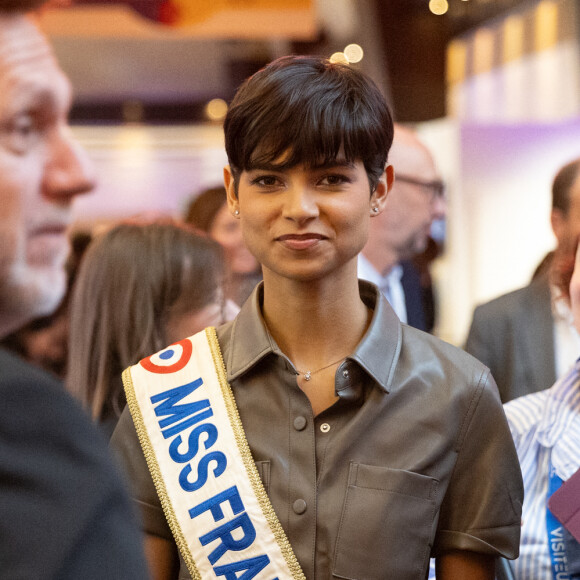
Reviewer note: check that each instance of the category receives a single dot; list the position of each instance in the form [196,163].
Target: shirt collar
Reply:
[395,273]
[377,353]
[560,306]
[559,425]
[366,271]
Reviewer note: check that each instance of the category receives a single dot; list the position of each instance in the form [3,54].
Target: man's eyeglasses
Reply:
[434,189]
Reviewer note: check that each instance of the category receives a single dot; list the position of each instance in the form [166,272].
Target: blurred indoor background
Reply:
[491,85]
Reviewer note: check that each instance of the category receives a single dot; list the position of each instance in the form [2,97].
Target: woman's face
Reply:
[305,222]
[575,291]
[226,230]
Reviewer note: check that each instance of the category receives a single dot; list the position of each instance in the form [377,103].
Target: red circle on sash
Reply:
[187,349]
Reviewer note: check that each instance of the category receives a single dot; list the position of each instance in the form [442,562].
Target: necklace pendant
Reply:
[307,375]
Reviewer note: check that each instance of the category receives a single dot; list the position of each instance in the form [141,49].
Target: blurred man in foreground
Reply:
[63,509]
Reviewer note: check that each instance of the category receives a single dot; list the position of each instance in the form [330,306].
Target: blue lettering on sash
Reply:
[202,471]
[213,504]
[251,568]
[175,418]
[184,415]
[228,542]
[193,443]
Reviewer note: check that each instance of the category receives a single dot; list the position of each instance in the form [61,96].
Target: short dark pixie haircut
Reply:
[311,109]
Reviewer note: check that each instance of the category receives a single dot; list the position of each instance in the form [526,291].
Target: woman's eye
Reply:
[334,179]
[265,180]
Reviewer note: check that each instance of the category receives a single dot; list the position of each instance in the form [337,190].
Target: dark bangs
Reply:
[308,111]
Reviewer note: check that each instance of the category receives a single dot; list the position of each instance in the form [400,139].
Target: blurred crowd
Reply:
[79,307]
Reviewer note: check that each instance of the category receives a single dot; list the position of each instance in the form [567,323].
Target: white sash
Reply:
[194,443]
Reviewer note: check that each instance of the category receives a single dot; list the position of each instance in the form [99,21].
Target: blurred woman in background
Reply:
[209,212]
[140,286]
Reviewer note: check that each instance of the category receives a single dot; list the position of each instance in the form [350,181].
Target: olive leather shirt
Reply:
[414,459]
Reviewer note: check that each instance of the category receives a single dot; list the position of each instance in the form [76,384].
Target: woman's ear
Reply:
[230,185]
[381,192]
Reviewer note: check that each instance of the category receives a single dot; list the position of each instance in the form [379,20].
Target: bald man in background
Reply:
[402,230]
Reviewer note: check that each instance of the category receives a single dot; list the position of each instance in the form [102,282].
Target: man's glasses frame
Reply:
[436,189]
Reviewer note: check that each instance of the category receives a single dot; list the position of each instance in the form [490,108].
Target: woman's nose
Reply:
[300,203]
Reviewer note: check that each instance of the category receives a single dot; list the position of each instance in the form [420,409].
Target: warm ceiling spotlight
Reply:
[339,57]
[438,7]
[354,53]
[216,109]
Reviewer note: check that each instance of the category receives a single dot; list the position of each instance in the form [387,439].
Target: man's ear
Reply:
[230,186]
[380,194]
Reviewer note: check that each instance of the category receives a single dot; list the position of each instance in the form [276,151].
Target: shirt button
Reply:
[299,423]
[299,506]
[325,427]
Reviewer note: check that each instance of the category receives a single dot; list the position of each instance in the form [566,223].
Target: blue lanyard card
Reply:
[564,503]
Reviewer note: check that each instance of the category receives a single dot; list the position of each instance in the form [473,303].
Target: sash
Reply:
[196,450]
[556,543]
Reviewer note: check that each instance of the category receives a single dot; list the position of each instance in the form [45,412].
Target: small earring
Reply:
[237,212]
[375,209]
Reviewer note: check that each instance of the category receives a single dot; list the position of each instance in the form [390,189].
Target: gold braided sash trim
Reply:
[194,443]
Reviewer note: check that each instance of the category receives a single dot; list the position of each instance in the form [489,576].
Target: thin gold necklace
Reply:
[308,374]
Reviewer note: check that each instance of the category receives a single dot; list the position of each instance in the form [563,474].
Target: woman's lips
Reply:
[300,241]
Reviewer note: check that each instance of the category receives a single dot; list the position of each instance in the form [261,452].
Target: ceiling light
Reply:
[438,7]
[339,57]
[216,109]
[353,53]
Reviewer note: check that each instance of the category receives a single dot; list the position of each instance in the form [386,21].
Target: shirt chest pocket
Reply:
[386,524]
[263,468]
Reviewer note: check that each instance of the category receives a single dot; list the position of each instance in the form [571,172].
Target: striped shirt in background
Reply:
[546,430]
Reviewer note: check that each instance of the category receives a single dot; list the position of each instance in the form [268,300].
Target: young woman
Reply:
[209,212]
[141,285]
[378,445]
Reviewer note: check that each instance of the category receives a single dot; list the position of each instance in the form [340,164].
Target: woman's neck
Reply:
[314,323]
